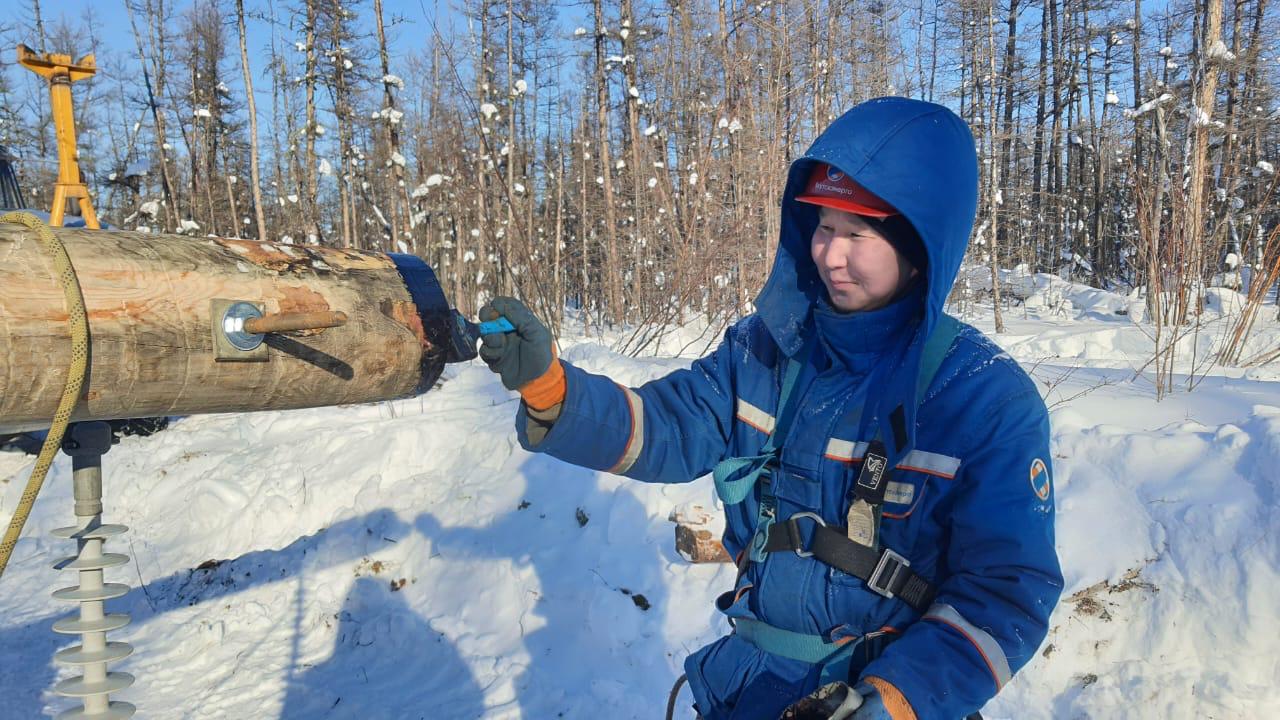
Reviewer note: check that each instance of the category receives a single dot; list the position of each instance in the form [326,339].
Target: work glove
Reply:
[872,707]
[833,701]
[524,358]
[838,701]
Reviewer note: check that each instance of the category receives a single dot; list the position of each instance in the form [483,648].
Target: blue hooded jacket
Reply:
[970,502]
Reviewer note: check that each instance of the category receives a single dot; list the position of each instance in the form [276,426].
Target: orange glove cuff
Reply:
[894,702]
[547,389]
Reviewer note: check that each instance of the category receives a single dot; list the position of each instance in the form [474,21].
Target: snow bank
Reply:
[1169,543]
[1057,320]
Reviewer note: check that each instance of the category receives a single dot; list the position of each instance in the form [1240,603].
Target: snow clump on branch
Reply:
[1147,106]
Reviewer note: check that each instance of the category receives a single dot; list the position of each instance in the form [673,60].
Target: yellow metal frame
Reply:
[61,72]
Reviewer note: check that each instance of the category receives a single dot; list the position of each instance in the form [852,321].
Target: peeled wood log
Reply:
[149,300]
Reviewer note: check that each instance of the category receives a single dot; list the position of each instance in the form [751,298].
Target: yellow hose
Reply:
[79,323]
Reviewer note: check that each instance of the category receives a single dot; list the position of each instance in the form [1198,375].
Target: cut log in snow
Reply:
[150,301]
[694,540]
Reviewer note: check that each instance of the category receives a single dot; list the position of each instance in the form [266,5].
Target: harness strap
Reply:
[935,351]
[885,572]
[734,491]
[811,649]
[767,511]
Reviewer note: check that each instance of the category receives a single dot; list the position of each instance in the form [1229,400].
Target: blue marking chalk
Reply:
[501,325]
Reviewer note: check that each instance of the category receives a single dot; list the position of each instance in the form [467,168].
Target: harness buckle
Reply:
[892,564]
[797,545]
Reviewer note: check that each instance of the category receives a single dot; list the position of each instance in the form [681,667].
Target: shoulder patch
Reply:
[1039,475]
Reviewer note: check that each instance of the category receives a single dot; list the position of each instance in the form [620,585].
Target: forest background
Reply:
[622,160]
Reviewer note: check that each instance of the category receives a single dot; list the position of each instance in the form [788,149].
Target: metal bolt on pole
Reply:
[86,443]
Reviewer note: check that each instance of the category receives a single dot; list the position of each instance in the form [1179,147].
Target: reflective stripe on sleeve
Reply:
[755,417]
[845,450]
[933,463]
[986,645]
[926,462]
[635,443]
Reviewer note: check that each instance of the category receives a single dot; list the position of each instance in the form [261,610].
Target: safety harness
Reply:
[885,572]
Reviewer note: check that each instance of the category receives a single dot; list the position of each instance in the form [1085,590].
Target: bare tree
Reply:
[396,194]
[254,177]
[613,269]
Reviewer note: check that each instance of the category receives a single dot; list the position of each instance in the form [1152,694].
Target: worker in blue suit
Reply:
[884,468]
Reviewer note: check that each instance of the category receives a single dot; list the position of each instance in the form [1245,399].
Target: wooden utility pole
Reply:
[156,306]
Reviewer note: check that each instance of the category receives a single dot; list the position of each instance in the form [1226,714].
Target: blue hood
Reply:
[920,158]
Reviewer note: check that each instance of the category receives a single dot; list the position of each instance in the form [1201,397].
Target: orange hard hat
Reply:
[830,187]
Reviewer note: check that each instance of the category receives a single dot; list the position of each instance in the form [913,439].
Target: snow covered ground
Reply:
[408,560]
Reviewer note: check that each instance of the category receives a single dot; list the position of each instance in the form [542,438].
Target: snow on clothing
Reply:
[971,507]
